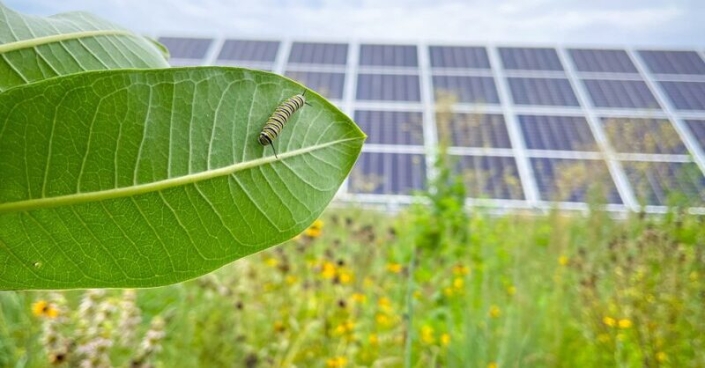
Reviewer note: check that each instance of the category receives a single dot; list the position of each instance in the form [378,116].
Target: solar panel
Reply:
[685,95]
[620,93]
[245,50]
[568,180]
[388,173]
[562,133]
[673,62]
[466,89]
[389,55]
[602,61]
[318,53]
[473,130]
[641,135]
[542,91]
[666,183]
[698,129]
[330,85]
[388,87]
[459,57]
[186,47]
[489,177]
[524,58]
[391,127]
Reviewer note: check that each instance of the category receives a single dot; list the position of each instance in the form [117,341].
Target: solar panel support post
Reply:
[428,101]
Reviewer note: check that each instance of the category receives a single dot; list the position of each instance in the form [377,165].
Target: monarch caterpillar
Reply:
[281,115]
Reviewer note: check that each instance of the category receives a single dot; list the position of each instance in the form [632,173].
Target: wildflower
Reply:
[492,365]
[460,270]
[511,290]
[359,298]
[328,270]
[129,317]
[42,308]
[385,304]
[345,277]
[495,311]
[624,323]
[383,319]
[345,328]
[563,260]
[458,283]
[394,267]
[373,339]
[445,339]
[661,356]
[151,344]
[315,230]
[290,279]
[336,362]
[271,261]
[609,321]
[427,335]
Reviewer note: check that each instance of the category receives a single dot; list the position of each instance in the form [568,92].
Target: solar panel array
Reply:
[527,127]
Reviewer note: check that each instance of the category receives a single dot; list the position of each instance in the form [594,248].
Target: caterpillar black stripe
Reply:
[281,115]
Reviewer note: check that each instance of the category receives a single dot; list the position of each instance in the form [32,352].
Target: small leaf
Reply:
[139,178]
[35,48]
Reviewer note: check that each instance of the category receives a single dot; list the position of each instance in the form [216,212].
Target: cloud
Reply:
[545,21]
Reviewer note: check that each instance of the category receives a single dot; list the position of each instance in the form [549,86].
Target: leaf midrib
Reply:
[26,44]
[77,198]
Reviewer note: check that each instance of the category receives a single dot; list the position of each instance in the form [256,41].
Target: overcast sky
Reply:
[676,23]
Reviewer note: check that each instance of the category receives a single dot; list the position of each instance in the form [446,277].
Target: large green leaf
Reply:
[35,48]
[137,178]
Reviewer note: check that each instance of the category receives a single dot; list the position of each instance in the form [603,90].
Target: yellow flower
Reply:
[271,261]
[460,270]
[359,297]
[511,290]
[45,309]
[563,260]
[427,335]
[609,321]
[290,279]
[495,311]
[344,328]
[458,283]
[345,277]
[661,356]
[492,365]
[624,323]
[445,339]
[383,319]
[394,267]
[336,362]
[328,270]
[385,304]
[373,339]
[315,230]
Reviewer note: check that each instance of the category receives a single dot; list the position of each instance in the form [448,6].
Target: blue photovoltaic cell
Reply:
[245,50]
[388,87]
[542,91]
[529,58]
[388,173]
[568,180]
[391,127]
[620,93]
[602,61]
[329,85]
[698,129]
[459,57]
[666,183]
[473,130]
[389,55]
[466,89]
[641,135]
[562,133]
[685,95]
[318,53]
[489,177]
[186,48]
[673,62]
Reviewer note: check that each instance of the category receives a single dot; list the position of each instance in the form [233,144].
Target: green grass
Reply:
[520,291]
